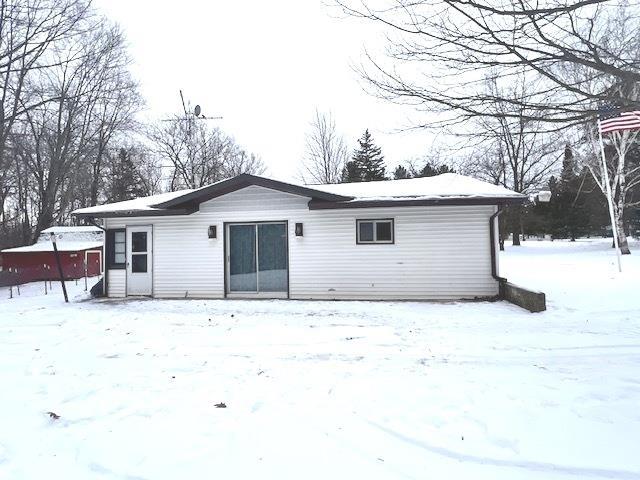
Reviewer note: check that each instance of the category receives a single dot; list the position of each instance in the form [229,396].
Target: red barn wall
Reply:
[32,266]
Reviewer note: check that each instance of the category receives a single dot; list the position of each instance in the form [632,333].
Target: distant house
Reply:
[77,246]
[254,237]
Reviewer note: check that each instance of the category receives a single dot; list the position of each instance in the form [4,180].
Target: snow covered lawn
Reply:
[331,390]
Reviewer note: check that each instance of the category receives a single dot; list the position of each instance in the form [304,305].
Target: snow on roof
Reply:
[76,229]
[446,185]
[69,246]
[137,204]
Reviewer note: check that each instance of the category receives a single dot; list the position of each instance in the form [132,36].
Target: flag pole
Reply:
[605,176]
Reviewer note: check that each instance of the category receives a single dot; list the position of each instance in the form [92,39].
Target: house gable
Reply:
[193,199]
[256,198]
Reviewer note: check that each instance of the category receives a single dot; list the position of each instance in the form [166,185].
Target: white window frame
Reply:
[375,240]
[123,242]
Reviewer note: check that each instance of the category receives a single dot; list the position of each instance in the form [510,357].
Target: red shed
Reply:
[77,246]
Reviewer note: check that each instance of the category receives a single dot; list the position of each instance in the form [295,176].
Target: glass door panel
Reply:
[272,257]
[139,252]
[242,258]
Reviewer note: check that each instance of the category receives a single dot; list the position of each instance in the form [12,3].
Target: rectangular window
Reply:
[116,249]
[374,231]
[139,241]
[139,263]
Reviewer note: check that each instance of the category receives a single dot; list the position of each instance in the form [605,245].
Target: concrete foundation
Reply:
[527,299]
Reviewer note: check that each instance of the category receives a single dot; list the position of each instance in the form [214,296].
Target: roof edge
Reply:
[246,180]
[315,205]
[136,213]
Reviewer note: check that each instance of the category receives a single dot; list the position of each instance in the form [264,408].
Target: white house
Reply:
[254,237]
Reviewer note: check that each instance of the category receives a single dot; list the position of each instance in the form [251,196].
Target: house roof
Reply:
[245,180]
[138,206]
[448,188]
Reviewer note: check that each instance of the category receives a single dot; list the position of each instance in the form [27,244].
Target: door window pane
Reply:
[139,263]
[119,258]
[366,231]
[242,258]
[383,231]
[272,257]
[138,241]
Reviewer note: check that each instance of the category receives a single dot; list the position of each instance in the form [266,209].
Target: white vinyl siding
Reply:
[440,252]
[117,283]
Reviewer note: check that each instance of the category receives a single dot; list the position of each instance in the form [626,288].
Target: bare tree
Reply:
[439,51]
[511,149]
[199,155]
[326,151]
[623,175]
[94,99]
[238,161]
[150,168]
[116,102]
[29,31]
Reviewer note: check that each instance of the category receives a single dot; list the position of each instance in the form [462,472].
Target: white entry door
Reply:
[139,260]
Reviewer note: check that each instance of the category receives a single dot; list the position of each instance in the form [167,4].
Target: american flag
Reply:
[613,119]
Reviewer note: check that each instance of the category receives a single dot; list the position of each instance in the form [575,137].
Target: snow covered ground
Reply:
[331,389]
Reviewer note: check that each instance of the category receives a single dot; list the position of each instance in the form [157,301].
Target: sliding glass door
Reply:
[243,274]
[257,258]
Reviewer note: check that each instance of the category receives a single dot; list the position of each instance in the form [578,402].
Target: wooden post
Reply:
[55,251]
[86,269]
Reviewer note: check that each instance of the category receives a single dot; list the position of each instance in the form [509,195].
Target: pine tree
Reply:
[401,173]
[125,182]
[351,172]
[433,169]
[571,217]
[367,162]
[576,207]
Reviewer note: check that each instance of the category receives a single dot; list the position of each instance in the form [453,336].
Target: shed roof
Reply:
[69,246]
[72,229]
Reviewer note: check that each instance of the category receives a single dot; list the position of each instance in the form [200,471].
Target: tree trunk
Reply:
[622,238]
[618,213]
[516,237]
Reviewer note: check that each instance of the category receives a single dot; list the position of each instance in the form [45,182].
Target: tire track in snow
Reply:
[523,464]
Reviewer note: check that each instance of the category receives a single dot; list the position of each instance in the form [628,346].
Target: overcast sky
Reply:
[265,67]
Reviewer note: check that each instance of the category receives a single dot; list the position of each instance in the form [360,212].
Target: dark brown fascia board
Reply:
[247,180]
[137,213]
[315,205]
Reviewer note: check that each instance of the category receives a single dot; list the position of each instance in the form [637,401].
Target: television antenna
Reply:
[190,115]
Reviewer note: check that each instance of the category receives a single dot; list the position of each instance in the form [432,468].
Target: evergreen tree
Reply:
[351,172]
[569,218]
[576,209]
[368,162]
[400,173]
[432,169]
[124,183]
